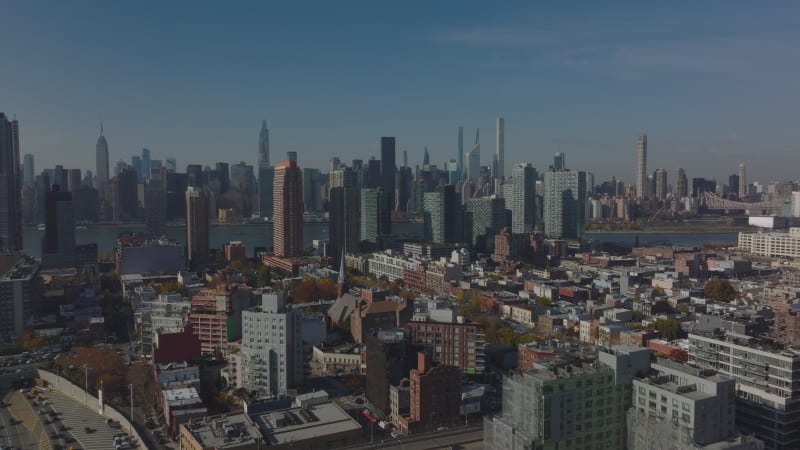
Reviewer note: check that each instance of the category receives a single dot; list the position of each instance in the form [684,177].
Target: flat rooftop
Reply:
[221,432]
[298,424]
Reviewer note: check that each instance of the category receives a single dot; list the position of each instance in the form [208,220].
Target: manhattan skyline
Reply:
[711,87]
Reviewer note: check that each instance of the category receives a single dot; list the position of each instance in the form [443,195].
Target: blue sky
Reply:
[712,83]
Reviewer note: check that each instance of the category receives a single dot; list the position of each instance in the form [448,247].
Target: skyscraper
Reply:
[460,156]
[426,158]
[682,184]
[145,164]
[155,207]
[288,214]
[197,246]
[263,146]
[376,217]
[500,149]
[441,210]
[388,168]
[10,193]
[345,212]
[523,198]
[485,218]
[102,160]
[559,161]
[266,177]
[660,177]
[641,166]
[28,177]
[742,181]
[474,164]
[58,243]
[564,204]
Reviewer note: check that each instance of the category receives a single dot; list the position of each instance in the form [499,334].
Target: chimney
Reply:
[424,363]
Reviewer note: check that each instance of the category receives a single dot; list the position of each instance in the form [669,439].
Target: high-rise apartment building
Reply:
[459,157]
[288,213]
[216,316]
[312,185]
[197,234]
[10,192]
[20,292]
[767,384]
[484,219]
[101,159]
[660,179]
[523,198]
[376,217]
[441,211]
[345,213]
[263,146]
[272,347]
[155,207]
[386,365]
[58,243]
[641,166]
[500,149]
[266,180]
[742,181]
[146,163]
[564,209]
[434,397]
[388,168]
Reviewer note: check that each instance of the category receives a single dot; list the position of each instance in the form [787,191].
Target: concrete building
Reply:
[388,169]
[10,187]
[387,264]
[288,212]
[234,431]
[459,345]
[441,212]
[216,316]
[564,208]
[523,198]
[485,218]
[20,292]
[155,207]
[767,384]
[772,244]
[387,364]
[678,406]
[641,167]
[272,347]
[197,234]
[660,179]
[58,243]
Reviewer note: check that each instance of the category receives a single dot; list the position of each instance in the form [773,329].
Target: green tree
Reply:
[669,329]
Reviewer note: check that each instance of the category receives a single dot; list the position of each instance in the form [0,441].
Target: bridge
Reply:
[715,202]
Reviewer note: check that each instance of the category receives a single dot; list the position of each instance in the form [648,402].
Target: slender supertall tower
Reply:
[263,146]
[460,156]
[742,181]
[102,160]
[500,150]
[426,158]
[641,166]
[474,167]
[10,192]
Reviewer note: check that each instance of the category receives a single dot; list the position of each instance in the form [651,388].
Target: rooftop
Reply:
[221,432]
[297,424]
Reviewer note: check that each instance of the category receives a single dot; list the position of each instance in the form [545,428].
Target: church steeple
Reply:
[341,285]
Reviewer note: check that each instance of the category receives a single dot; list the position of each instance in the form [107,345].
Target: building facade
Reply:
[564,208]
[197,234]
[288,212]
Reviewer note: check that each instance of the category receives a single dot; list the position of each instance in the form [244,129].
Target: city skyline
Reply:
[582,85]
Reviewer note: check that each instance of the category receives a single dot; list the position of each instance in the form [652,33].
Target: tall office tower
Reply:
[60,176]
[388,168]
[263,146]
[272,347]
[145,164]
[559,161]
[171,164]
[681,184]
[176,184]
[155,207]
[767,405]
[312,185]
[266,177]
[405,181]
[405,159]
[733,185]
[564,207]
[224,173]
[197,235]
[74,180]
[460,156]
[500,149]
[700,185]
[136,163]
[426,158]
[336,163]
[441,210]
[523,198]
[194,175]
[242,178]
[28,177]
[376,217]
[101,161]
[124,196]
[10,193]
[742,181]
[660,178]
[20,293]
[345,213]
[641,166]
[474,161]
[58,243]
[287,190]
[485,218]
[373,177]
[88,179]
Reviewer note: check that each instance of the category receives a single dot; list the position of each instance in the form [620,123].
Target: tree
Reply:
[669,329]
[721,290]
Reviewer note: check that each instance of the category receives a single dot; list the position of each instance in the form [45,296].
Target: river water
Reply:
[260,235]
